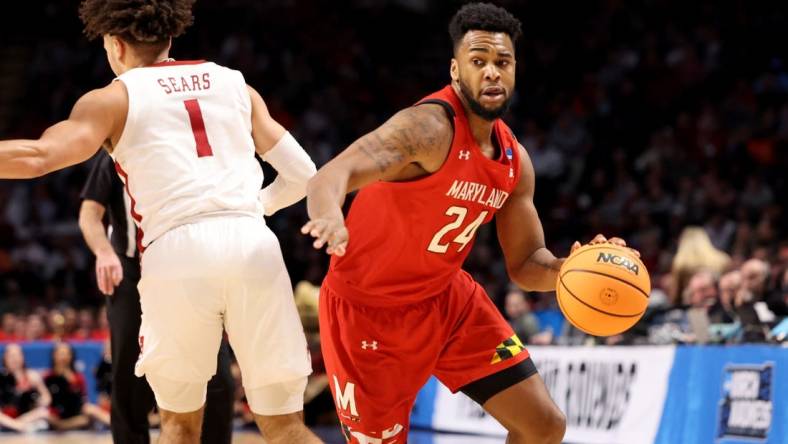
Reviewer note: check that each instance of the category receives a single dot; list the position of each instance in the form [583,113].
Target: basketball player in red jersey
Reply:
[395,306]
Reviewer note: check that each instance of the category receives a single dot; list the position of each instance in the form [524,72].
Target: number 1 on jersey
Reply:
[464,237]
[198,128]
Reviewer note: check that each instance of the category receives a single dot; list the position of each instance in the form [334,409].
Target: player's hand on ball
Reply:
[328,231]
[600,239]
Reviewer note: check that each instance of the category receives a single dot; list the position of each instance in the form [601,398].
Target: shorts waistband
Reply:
[350,292]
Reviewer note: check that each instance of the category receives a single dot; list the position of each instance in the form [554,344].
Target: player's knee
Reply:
[277,399]
[556,426]
[177,396]
[550,430]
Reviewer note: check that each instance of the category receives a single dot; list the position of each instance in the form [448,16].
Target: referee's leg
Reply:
[131,397]
[217,425]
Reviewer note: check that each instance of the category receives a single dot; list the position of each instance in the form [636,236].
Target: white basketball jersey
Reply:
[186,152]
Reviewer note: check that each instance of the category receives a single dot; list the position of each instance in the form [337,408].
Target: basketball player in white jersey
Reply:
[183,137]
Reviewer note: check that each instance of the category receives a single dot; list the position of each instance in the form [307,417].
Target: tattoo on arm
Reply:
[378,150]
[410,135]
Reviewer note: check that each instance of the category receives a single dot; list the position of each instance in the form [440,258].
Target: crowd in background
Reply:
[640,119]
[662,122]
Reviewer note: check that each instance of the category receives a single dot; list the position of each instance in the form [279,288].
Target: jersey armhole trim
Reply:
[130,118]
[446,107]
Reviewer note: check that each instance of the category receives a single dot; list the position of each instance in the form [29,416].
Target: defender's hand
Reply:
[109,272]
[328,231]
[600,239]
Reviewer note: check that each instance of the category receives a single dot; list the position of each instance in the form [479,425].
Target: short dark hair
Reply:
[483,17]
[137,21]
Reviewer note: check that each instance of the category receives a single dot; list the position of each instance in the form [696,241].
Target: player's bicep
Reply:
[520,231]
[409,137]
[265,130]
[76,139]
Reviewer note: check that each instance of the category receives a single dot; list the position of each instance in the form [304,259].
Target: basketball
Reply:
[603,289]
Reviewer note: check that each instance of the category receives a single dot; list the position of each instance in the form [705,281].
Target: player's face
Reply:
[483,68]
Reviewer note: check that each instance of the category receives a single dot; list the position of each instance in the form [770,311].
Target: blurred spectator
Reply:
[702,292]
[86,323]
[35,328]
[318,402]
[104,378]
[778,299]
[695,252]
[70,323]
[517,310]
[101,332]
[749,301]
[57,326]
[705,307]
[69,409]
[730,283]
[755,273]
[23,396]
[7,327]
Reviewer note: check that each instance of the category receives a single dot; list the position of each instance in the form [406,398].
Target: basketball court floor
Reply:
[329,435]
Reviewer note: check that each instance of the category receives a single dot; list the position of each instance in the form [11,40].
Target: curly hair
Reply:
[483,17]
[136,21]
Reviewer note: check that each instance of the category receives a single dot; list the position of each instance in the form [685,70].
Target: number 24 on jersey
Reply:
[439,245]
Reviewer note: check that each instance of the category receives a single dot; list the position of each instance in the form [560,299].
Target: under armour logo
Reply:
[373,345]
[465,155]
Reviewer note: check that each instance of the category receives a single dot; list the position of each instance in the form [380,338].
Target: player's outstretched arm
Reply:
[92,121]
[529,263]
[418,135]
[277,147]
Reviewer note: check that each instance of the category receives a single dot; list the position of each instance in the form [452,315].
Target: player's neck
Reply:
[141,63]
[163,57]
[480,128]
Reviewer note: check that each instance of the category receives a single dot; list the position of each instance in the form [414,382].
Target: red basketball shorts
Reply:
[377,358]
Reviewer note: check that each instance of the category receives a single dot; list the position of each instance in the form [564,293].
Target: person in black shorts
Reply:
[117,275]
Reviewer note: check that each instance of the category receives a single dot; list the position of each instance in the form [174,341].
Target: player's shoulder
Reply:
[425,125]
[429,115]
[108,99]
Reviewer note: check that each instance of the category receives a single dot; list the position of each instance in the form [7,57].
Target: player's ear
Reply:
[454,70]
[120,47]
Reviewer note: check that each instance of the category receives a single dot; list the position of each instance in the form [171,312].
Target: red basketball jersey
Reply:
[409,239]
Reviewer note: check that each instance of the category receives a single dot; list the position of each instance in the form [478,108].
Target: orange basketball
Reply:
[603,289]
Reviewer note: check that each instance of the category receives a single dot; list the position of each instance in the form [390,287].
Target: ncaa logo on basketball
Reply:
[623,262]
[746,404]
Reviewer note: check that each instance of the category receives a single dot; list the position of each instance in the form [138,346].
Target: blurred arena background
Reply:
[662,122]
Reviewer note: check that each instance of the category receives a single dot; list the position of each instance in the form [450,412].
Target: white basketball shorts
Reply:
[221,272]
